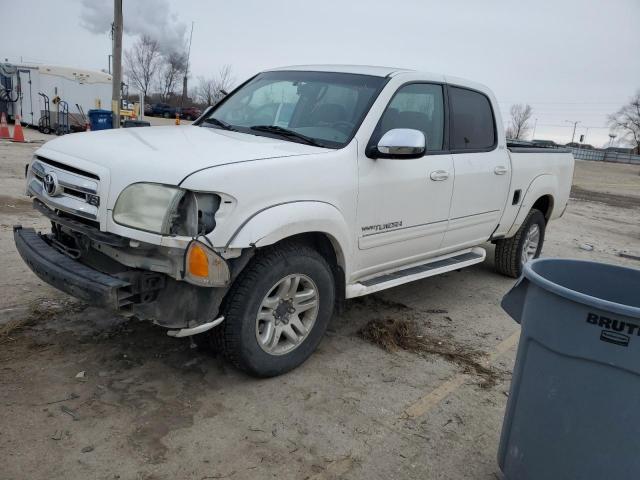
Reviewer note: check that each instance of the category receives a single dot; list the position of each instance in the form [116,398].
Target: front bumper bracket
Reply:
[67,274]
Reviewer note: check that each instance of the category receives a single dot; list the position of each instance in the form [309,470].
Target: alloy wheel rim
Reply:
[531,242]
[287,314]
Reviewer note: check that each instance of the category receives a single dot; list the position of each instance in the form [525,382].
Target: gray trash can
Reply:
[574,407]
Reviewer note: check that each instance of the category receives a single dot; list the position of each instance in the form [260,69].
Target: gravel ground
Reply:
[151,407]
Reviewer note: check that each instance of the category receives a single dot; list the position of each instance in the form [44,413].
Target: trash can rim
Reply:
[599,303]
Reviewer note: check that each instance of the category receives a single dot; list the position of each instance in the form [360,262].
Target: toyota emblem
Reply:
[51,185]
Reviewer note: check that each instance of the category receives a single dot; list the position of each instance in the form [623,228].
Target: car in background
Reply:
[190,113]
[162,110]
[167,111]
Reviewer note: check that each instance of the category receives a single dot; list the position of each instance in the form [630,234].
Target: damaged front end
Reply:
[170,286]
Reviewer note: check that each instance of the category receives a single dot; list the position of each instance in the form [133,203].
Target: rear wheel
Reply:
[277,311]
[512,253]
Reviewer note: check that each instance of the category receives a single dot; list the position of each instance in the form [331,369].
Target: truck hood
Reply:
[163,154]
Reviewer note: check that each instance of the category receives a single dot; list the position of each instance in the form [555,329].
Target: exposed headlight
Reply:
[166,210]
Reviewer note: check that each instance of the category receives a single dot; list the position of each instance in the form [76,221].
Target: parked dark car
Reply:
[163,110]
[190,113]
[167,111]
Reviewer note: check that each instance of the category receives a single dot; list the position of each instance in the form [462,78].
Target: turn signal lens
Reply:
[204,267]
[197,261]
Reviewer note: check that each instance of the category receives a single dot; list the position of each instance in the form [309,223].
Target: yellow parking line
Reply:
[434,397]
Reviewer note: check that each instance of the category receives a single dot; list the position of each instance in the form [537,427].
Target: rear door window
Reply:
[472,121]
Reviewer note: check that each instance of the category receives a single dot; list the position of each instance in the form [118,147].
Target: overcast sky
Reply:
[570,59]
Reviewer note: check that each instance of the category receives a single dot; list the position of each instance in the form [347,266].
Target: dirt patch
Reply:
[393,335]
[377,302]
[130,369]
[41,310]
[611,199]
[15,206]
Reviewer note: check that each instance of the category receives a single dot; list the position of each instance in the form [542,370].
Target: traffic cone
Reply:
[177,119]
[18,134]
[4,128]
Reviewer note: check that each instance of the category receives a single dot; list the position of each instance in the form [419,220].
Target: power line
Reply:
[621,102]
[561,126]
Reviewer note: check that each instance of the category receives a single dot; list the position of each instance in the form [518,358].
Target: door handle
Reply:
[500,170]
[439,175]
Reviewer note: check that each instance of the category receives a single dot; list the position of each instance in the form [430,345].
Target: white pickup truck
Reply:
[303,187]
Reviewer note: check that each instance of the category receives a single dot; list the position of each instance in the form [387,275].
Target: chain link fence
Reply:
[604,156]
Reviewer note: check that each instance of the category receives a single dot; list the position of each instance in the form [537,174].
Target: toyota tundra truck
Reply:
[304,187]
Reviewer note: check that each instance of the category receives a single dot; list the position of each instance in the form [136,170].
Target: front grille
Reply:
[68,168]
[64,188]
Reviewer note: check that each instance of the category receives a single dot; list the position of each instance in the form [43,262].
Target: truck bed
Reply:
[533,168]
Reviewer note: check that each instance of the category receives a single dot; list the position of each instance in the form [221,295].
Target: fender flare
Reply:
[280,221]
[540,186]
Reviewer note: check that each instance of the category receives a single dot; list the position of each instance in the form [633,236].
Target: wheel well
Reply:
[326,246]
[545,205]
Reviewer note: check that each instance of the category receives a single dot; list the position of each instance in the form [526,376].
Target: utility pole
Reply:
[535,124]
[116,31]
[575,124]
[186,69]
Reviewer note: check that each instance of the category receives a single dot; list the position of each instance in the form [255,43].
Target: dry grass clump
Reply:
[393,335]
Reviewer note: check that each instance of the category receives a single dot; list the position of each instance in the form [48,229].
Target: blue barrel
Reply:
[100,119]
[574,407]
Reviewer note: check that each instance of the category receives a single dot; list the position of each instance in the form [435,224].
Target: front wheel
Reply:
[512,253]
[278,310]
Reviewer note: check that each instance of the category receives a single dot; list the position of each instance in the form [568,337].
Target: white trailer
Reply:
[24,82]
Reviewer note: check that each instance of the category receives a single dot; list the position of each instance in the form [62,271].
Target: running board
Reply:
[433,267]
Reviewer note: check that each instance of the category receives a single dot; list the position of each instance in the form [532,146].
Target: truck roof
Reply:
[356,69]
[378,71]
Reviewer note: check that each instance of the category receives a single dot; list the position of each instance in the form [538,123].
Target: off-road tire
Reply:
[508,255]
[236,336]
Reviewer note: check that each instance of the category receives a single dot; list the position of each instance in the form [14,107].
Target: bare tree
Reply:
[142,62]
[172,71]
[626,122]
[519,125]
[206,90]
[225,81]
[212,89]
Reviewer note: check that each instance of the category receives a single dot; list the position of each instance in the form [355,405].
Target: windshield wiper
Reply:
[285,132]
[220,123]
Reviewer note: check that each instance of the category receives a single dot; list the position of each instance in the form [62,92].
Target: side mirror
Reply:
[402,143]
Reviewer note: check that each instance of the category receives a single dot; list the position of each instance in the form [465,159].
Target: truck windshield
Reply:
[316,108]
